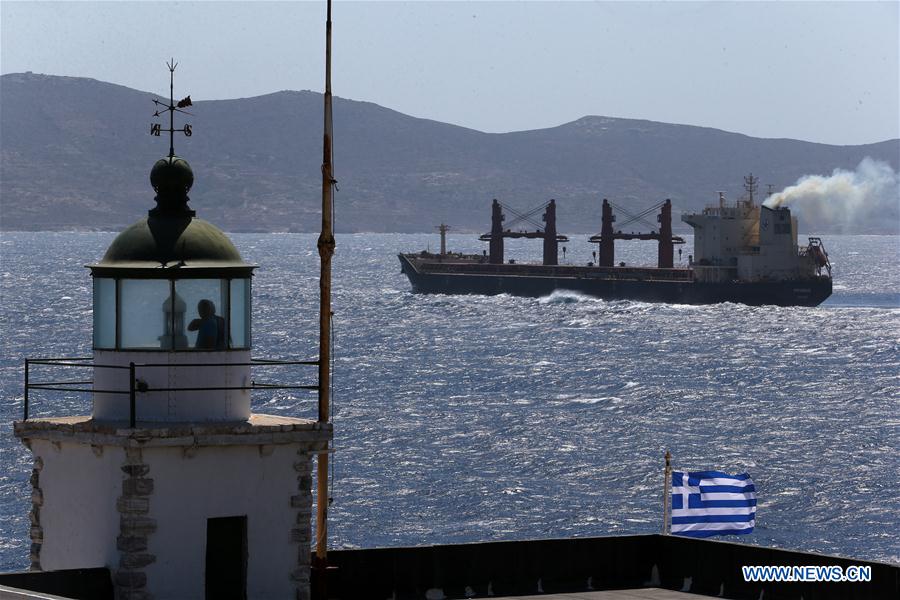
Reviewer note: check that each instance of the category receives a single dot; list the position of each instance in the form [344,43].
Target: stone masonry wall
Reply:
[37,501]
[135,527]
[301,532]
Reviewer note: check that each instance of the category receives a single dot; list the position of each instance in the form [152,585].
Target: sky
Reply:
[817,71]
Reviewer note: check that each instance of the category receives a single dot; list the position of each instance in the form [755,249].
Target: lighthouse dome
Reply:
[168,240]
[171,235]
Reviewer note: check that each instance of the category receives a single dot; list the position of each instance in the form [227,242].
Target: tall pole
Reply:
[666,491]
[326,250]
[171,105]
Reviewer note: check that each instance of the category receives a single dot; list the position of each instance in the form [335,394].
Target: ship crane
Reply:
[607,236]
[546,232]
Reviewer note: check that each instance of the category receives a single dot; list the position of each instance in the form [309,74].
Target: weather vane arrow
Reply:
[172,107]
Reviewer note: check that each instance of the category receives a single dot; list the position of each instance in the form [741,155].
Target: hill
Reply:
[76,154]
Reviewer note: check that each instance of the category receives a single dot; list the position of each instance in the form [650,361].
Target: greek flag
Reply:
[707,503]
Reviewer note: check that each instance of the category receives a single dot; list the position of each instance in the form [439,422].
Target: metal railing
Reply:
[138,386]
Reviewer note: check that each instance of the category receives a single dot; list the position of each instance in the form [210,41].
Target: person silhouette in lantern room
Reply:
[210,327]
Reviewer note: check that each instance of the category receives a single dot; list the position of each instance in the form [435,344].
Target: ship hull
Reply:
[516,280]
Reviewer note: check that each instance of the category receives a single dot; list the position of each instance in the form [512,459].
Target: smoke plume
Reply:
[867,199]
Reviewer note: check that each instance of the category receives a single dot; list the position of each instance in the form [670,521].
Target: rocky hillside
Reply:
[76,154]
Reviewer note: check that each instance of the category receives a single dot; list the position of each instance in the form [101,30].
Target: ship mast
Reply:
[326,250]
[751,183]
[443,229]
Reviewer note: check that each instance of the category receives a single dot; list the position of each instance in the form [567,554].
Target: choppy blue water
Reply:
[462,418]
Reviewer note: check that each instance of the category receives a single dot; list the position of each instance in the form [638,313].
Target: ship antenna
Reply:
[326,251]
[171,108]
[751,183]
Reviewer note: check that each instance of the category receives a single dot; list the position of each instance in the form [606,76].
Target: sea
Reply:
[469,418]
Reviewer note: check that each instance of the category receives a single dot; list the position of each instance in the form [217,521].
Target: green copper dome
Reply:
[163,240]
[171,237]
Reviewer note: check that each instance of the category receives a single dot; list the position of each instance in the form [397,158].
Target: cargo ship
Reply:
[744,252]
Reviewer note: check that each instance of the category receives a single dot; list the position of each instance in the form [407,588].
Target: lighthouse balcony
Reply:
[134,389]
[257,430]
[173,386]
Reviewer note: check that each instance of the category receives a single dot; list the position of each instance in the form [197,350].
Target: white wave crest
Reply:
[565,297]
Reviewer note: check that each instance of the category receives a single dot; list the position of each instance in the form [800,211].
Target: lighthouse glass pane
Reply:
[206,308]
[145,314]
[104,313]
[240,313]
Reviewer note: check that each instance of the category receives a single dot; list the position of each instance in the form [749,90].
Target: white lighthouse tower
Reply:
[172,482]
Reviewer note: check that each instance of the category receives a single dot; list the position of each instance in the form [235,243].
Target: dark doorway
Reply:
[226,558]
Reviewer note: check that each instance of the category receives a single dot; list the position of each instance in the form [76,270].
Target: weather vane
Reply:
[161,107]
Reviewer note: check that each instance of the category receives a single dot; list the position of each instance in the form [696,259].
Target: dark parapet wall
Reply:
[77,584]
[715,566]
[571,565]
[578,564]
[499,568]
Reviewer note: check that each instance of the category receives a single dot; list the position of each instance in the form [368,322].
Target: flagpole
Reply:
[326,250]
[667,476]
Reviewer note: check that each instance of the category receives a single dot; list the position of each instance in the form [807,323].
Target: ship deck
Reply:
[433,264]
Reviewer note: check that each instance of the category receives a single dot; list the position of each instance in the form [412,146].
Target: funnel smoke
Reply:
[865,199]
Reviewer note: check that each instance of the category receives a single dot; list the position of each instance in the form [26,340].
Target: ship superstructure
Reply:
[743,252]
[749,242]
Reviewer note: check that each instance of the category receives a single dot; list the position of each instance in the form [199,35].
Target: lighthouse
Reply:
[172,482]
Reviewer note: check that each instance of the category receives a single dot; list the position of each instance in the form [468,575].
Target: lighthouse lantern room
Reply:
[172,483]
[176,285]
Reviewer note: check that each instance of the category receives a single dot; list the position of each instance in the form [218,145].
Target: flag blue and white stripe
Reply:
[707,503]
